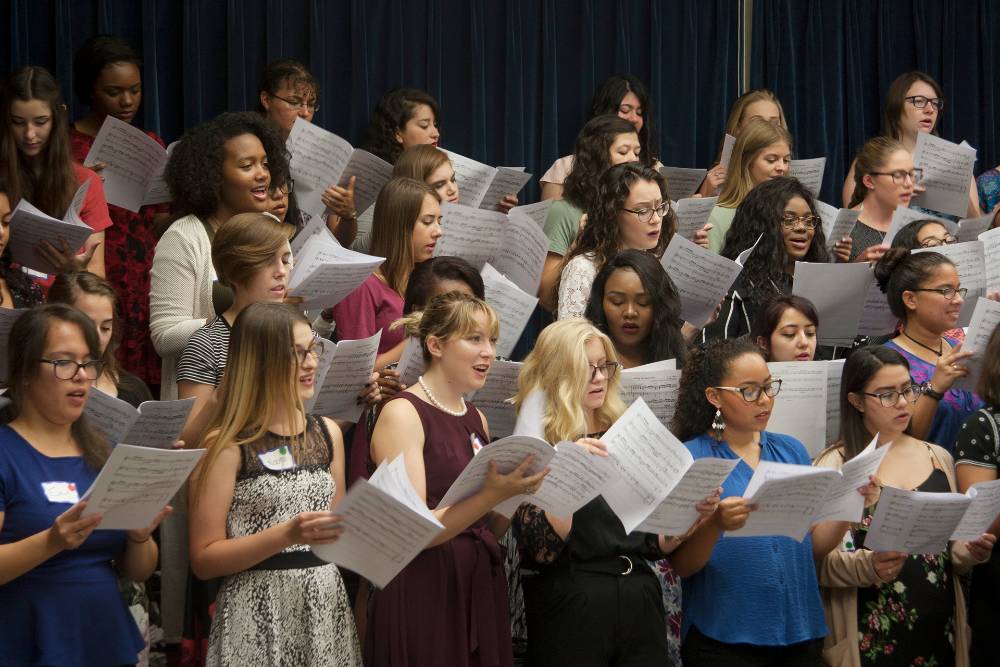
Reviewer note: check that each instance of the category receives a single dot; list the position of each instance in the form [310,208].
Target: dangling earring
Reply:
[718,425]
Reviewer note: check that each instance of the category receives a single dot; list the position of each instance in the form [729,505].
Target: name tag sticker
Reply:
[279,458]
[476,443]
[61,492]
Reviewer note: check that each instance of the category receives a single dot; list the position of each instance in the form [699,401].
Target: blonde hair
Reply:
[259,386]
[558,366]
[449,315]
[396,211]
[755,137]
[245,244]
[419,162]
[745,100]
[872,157]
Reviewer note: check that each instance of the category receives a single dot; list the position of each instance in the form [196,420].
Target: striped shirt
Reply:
[204,358]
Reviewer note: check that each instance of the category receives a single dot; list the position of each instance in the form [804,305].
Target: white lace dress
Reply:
[575,285]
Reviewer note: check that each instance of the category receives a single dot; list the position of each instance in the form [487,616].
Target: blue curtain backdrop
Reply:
[831,61]
[514,77]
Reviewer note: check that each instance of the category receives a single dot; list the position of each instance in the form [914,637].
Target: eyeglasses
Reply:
[791,221]
[752,393]
[297,103]
[646,214]
[900,177]
[66,369]
[948,293]
[935,242]
[608,370]
[285,189]
[315,351]
[890,399]
[919,101]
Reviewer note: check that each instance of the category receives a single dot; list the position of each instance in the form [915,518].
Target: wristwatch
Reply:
[929,390]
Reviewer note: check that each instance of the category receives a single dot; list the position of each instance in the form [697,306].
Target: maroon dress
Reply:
[449,605]
[128,255]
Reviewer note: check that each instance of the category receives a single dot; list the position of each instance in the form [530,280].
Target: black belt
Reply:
[616,565]
[290,560]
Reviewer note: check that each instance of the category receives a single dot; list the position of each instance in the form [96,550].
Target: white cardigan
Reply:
[180,294]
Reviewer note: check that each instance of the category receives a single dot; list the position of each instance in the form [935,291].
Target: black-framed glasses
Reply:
[608,370]
[284,189]
[900,177]
[948,293]
[890,399]
[315,351]
[752,392]
[919,101]
[935,242]
[791,221]
[297,103]
[646,214]
[66,369]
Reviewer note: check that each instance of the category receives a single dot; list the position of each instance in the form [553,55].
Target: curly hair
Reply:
[608,100]
[705,367]
[592,157]
[899,271]
[93,56]
[665,340]
[194,171]
[602,236]
[392,112]
[759,216]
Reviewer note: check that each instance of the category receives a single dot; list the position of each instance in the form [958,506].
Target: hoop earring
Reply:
[718,425]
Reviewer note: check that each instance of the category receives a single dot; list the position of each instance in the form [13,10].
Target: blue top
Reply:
[988,186]
[755,590]
[951,411]
[66,611]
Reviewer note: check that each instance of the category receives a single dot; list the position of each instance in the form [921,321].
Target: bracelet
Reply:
[932,392]
[148,537]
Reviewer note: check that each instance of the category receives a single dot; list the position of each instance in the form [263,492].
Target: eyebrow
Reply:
[769,378]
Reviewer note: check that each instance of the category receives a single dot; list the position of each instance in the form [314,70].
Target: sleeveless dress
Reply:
[296,616]
[449,605]
[910,620]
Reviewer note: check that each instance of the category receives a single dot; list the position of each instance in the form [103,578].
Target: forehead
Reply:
[899,160]
[793,317]
[29,108]
[631,99]
[430,206]
[920,88]
[422,112]
[243,144]
[748,367]
[119,74]
[624,280]
[625,138]
[777,148]
[890,375]
[291,87]
[931,229]
[594,347]
[302,334]
[64,337]
[95,303]
[763,108]
[643,190]
[797,205]
[944,274]
[443,170]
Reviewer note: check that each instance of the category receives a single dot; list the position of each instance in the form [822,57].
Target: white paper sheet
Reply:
[728,143]
[809,172]
[682,182]
[657,384]
[834,373]
[507,454]
[411,363]
[991,255]
[29,227]
[838,291]
[650,462]
[787,496]
[531,415]
[800,409]
[982,512]
[575,478]
[347,368]
[843,502]
[702,278]
[915,522]
[837,222]
[537,211]
[493,399]
[154,424]
[158,192]
[969,229]
[512,304]
[506,181]
[132,160]
[947,173]
[985,318]
[692,214]
[473,179]
[325,273]
[876,316]
[136,483]
[676,514]
[371,172]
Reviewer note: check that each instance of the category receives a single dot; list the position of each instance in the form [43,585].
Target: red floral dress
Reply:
[128,256]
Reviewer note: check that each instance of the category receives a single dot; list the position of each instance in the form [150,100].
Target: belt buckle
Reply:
[628,566]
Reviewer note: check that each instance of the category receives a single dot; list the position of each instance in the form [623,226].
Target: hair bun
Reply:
[887,265]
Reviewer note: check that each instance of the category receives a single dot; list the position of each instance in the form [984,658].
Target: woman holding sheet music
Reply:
[925,293]
[884,179]
[593,598]
[781,213]
[747,600]
[36,162]
[631,210]
[762,151]
[97,299]
[887,607]
[220,168]
[55,570]
[17,290]
[976,461]
[430,164]
[634,303]
[449,605]
[107,78]
[262,495]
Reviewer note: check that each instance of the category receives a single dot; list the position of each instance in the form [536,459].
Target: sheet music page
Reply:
[809,172]
[521,255]
[158,192]
[658,384]
[985,318]
[677,513]
[350,367]
[159,423]
[947,174]
[969,229]
[136,483]
[512,304]
[473,179]
[692,214]
[493,399]
[787,496]
[702,278]
[728,143]
[800,409]
[575,478]
[132,159]
[325,273]
[982,511]
[834,373]
[991,256]
[319,157]
[682,182]
[915,522]
[537,212]
[507,454]
[844,503]
[506,181]
[901,217]
[372,174]
[838,291]
[29,227]
[111,416]
[837,222]
[470,233]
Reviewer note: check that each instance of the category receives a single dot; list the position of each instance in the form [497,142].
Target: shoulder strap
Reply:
[991,418]
[327,438]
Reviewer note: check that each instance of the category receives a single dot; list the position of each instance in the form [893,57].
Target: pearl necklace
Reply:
[437,404]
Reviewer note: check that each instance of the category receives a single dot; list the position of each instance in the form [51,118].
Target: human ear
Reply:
[856,401]
[712,396]
[435,346]
[265,100]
